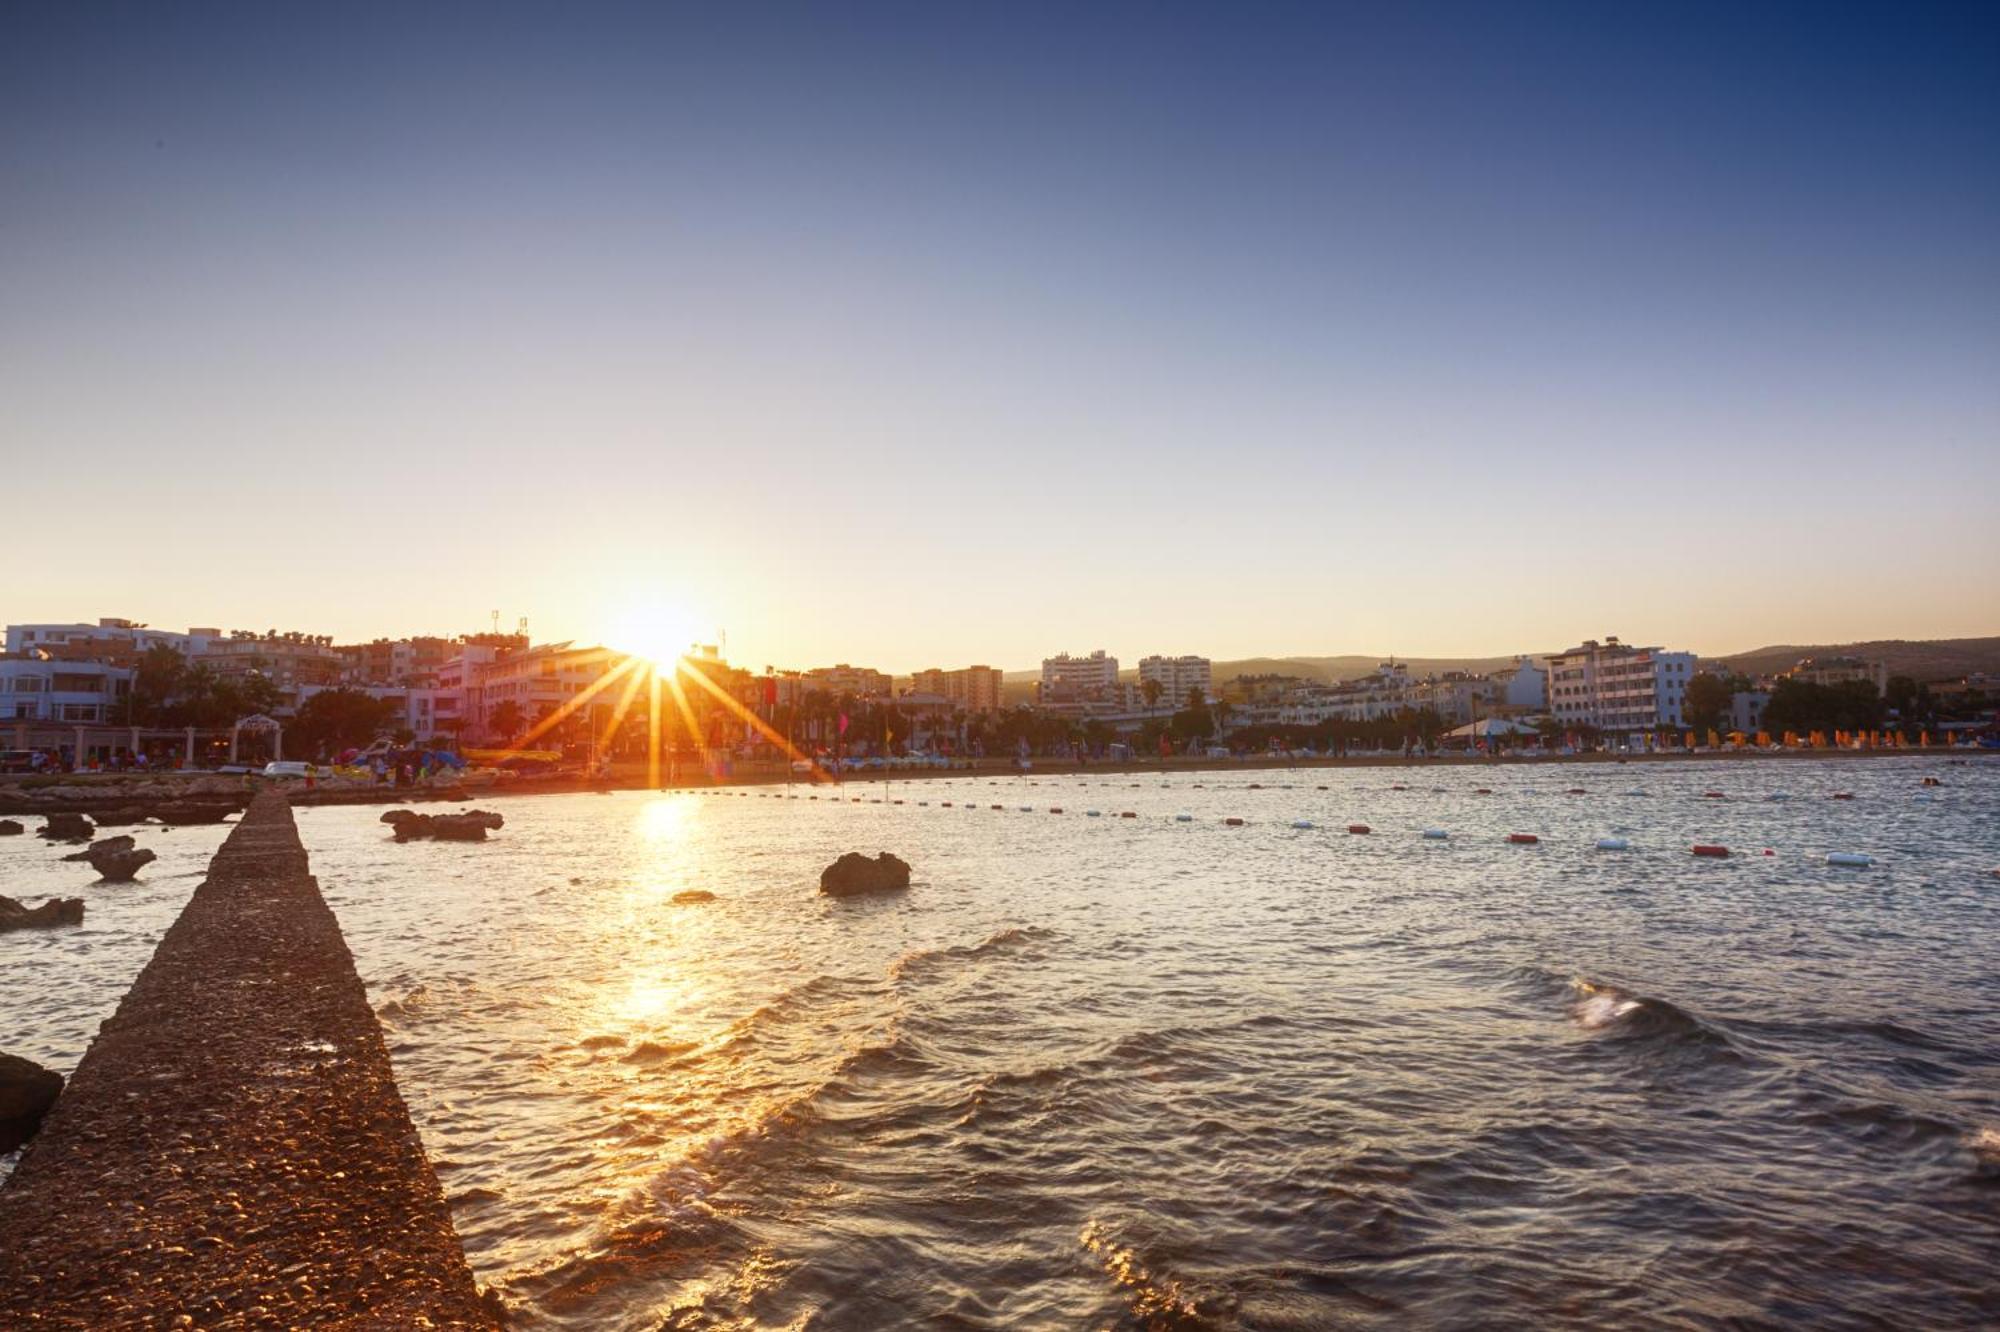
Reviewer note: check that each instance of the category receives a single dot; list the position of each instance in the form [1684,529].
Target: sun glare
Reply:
[654,631]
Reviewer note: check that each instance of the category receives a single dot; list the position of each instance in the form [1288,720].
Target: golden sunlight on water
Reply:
[1143,1073]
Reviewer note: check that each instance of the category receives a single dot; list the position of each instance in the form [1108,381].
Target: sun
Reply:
[655,631]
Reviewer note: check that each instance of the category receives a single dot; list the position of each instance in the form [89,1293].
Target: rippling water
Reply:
[1107,1072]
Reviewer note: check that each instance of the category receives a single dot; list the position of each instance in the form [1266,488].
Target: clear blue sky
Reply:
[926,334]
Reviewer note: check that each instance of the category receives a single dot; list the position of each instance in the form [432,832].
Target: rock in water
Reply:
[67,828]
[471,826]
[123,817]
[854,874]
[11,828]
[27,1090]
[55,911]
[119,843]
[185,813]
[119,864]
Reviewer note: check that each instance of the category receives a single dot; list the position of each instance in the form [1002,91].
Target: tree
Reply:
[1194,722]
[1707,702]
[337,719]
[506,719]
[1152,689]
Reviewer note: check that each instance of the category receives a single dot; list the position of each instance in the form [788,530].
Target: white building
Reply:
[416,705]
[1618,688]
[34,689]
[1525,686]
[1070,680]
[110,639]
[1178,677]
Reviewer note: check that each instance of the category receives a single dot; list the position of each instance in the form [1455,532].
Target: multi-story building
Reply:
[1839,670]
[416,706]
[859,681]
[1068,680]
[1619,688]
[538,681]
[1524,687]
[973,689]
[1455,695]
[290,661]
[111,640]
[1178,678]
[38,689]
[395,661]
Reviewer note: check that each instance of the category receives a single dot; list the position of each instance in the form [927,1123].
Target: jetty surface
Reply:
[232,1151]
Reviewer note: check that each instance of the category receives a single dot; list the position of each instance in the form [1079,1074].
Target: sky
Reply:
[919,334]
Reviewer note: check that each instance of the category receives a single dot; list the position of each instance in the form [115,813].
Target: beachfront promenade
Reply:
[233,1151]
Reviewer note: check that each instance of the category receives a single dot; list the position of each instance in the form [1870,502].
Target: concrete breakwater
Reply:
[232,1150]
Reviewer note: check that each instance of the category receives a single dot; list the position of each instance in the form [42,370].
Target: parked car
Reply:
[290,769]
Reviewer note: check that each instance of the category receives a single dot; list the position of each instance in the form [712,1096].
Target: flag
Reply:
[843,723]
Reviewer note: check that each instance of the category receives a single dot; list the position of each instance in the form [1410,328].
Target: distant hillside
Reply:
[1922,659]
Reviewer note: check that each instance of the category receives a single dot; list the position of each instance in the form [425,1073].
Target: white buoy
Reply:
[1851,859]
[1779,795]
[1183,818]
[1302,823]
[1093,813]
[1436,834]
[1613,844]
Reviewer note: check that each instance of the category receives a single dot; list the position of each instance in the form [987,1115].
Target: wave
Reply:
[924,962]
[1159,1301]
[1621,1014]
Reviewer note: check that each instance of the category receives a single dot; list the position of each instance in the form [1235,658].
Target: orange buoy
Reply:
[1357,828]
[1523,839]
[1233,823]
[1711,795]
[1055,809]
[1574,790]
[1705,849]
[1482,790]
[1128,814]
[1841,795]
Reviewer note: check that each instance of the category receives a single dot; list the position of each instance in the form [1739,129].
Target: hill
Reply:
[1920,659]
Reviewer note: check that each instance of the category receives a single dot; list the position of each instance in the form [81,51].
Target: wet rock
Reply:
[115,865]
[122,842]
[187,813]
[11,828]
[67,827]
[56,911]
[855,874]
[692,896]
[123,817]
[471,826]
[27,1090]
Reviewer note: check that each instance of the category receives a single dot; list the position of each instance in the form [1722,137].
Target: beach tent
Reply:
[1489,727]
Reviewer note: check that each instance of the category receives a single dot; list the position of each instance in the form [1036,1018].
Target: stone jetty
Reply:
[233,1151]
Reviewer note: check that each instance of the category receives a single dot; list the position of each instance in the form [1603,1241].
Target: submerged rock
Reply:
[855,874]
[67,827]
[27,1090]
[471,826]
[56,911]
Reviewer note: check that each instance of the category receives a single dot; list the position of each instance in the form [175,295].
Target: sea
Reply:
[1183,1052]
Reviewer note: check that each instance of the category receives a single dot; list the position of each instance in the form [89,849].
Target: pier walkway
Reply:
[232,1151]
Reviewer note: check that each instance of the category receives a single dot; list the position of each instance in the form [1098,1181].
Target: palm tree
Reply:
[1152,689]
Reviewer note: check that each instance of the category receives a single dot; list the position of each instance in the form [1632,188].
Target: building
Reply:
[290,661]
[1523,688]
[38,689]
[1746,710]
[972,689]
[1178,677]
[1618,688]
[396,661]
[1840,670]
[859,681]
[1073,681]
[416,705]
[537,681]
[1456,696]
[111,640]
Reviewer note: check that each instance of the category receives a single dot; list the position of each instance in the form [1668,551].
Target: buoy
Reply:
[1574,790]
[1027,809]
[1482,790]
[999,807]
[1613,844]
[945,803]
[1932,781]
[1851,859]
[1436,834]
[1055,809]
[1841,795]
[1711,795]
[1398,786]
[1357,828]
[1705,849]
[1093,813]
[1183,818]
[1302,823]
[1779,795]
[1523,839]
[1256,786]
[1233,823]
[895,802]
[1128,814]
